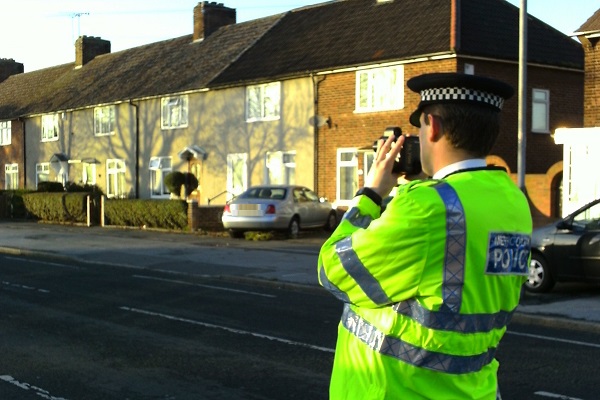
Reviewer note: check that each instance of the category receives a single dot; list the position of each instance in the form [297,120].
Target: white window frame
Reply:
[42,170]
[380,89]
[115,178]
[263,102]
[344,197]
[88,173]
[237,174]
[104,120]
[5,133]
[11,176]
[280,167]
[540,111]
[368,160]
[174,112]
[50,128]
[159,168]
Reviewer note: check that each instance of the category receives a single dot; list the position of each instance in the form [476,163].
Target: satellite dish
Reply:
[320,120]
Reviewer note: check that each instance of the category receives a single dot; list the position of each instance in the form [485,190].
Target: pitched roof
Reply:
[347,33]
[25,93]
[330,35]
[490,28]
[166,67]
[592,25]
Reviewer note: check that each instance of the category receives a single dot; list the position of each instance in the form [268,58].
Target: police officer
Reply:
[429,285]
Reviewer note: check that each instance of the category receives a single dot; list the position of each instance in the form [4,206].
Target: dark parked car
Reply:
[286,208]
[567,250]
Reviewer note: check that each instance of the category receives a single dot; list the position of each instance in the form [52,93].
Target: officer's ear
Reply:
[435,127]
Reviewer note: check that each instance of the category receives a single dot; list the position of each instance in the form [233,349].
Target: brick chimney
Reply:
[9,67]
[88,47]
[210,16]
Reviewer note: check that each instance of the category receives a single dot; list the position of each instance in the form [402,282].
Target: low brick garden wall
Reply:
[205,218]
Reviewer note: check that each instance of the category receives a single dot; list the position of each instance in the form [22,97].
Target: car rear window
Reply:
[264,193]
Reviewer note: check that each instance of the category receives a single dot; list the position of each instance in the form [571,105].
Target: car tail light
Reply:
[270,209]
[227,209]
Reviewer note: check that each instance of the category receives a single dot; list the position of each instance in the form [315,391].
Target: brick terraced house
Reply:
[297,97]
[581,145]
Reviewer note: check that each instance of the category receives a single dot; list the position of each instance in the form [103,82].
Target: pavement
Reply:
[282,262]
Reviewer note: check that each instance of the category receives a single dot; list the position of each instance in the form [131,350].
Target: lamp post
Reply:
[522,133]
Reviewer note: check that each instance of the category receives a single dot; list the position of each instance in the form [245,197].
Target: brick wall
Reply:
[206,218]
[14,153]
[592,82]
[358,130]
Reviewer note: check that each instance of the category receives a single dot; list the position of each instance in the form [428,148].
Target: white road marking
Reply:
[556,396]
[205,286]
[553,339]
[26,386]
[16,285]
[231,330]
[43,262]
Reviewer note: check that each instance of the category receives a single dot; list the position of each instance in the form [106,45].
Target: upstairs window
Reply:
[540,111]
[174,112]
[263,102]
[11,176]
[380,89]
[5,133]
[50,128]
[104,121]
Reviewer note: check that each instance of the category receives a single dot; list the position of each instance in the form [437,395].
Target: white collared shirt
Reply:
[465,164]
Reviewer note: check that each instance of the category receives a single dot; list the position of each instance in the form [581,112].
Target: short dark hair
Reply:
[470,127]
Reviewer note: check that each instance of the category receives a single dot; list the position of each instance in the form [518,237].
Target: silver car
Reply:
[288,208]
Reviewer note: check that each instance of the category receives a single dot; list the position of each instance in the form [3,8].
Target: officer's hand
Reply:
[380,177]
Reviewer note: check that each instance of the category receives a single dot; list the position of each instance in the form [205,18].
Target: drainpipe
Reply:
[316,81]
[22,121]
[137,148]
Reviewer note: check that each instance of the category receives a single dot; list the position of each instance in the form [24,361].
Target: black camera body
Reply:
[409,162]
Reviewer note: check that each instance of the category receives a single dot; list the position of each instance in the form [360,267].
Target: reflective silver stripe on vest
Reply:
[456,239]
[448,317]
[419,357]
[355,268]
[357,219]
[326,283]
[446,320]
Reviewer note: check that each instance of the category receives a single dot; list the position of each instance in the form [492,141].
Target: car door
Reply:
[564,255]
[302,206]
[318,211]
[589,244]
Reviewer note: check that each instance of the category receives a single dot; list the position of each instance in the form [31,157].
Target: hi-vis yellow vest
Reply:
[429,287]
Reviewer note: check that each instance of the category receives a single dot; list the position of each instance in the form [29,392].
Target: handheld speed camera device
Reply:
[409,160]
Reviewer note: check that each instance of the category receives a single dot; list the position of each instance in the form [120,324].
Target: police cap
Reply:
[445,88]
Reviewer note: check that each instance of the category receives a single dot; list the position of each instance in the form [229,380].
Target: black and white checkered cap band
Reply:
[461,94]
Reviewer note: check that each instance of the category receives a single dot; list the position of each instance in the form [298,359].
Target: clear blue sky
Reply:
[41,33]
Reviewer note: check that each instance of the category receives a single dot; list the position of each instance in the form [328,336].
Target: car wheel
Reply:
[539,280]
[236,234]
[331,221]
[294,228]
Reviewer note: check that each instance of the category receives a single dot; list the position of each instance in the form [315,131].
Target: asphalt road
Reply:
[73,330]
